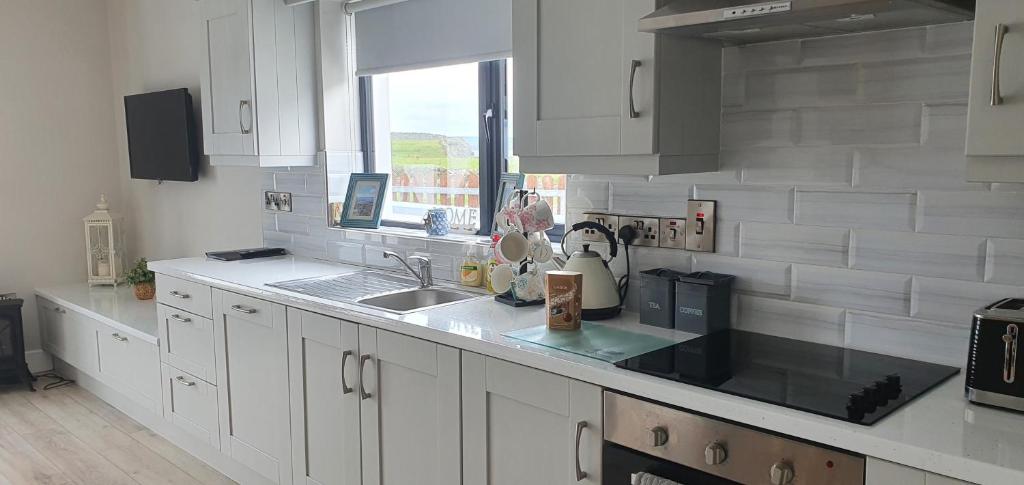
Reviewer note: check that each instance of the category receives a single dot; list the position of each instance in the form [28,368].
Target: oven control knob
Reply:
[781,473]
[715,454]
[659,436]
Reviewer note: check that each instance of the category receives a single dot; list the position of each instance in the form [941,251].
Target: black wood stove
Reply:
[13,369]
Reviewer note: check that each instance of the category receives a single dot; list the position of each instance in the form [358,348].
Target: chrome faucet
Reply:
[424,274]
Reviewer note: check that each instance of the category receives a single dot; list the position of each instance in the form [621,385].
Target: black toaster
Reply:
[992,377]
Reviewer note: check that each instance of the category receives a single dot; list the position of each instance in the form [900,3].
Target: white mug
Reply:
[512,248]
[540,248]
[502,277]
[537,216]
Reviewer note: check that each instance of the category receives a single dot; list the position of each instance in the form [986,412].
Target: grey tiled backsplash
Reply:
[843,205]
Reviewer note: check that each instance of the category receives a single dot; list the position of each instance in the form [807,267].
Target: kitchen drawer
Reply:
[190,403]
[186,342]
[249,309]
[184,295]
[130,365]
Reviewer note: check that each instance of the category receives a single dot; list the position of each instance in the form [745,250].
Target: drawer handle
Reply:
[362,381]
[178,294]
[118,337]
[58,309]
[243,309]
[181,318]
[181,380]
[997,94]
[580,474]
[243,105]
[633,113]
[344,385]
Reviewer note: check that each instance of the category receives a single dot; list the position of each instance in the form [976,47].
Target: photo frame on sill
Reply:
[507,185]
[364,200]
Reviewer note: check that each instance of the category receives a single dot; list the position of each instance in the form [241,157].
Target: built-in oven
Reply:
[647,443]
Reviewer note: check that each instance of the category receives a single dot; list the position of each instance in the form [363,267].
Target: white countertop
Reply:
[116,307]
[939,432]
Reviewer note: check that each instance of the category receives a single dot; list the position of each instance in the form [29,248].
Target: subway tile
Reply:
[996,214]
[807,86]
[374,256]
[925,79]
[932,341]
[882,124]
[269,221]
[649,199]
[954,301]
[957,257]
[862,290]
[644,258]
[405,242]
[293,224]
[727,237]
[922,167]
[945,126]
[856,209]
[316,184]
[345,252]
[448,247]
[826,246]
[309,206]
[587,194]
[758,129]
[276,239]
[750,203]
[310,247]
[1005,261]
[1007,187]
[768,55]
[870,46]
[944,39]
[792,165]
[733,89]
[752,275]
[790,319]
[267,181]
[290,182]
[725,176]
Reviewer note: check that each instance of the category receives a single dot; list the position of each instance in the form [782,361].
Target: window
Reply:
[440,134]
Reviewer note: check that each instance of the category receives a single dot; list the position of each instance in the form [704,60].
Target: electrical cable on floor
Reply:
[59,381]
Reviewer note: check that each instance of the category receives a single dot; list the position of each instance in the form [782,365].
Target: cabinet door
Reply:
[227,78]
[514,415]
[130,365]
[186,342]
[994,130]
[573,63]
[410,410]
[80,344]
[252,378]
[323,353]
[51,328]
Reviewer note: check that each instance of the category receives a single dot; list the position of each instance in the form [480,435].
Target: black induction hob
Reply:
[851,385]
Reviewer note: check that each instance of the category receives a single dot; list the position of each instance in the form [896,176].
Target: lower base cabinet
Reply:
[191,404]
[521,425]
[881,472]
[132,363]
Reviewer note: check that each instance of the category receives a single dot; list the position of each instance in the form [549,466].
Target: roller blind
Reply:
[426,33]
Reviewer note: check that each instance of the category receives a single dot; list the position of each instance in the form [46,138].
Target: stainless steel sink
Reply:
[417,299]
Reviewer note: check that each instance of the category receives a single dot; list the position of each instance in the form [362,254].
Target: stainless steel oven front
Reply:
[646,443]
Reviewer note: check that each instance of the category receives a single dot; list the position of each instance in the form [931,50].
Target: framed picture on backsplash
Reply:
[364,200]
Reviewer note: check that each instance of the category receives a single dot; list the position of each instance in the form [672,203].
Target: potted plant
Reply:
[141,278]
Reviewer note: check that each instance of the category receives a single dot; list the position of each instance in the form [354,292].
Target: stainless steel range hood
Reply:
[741,22]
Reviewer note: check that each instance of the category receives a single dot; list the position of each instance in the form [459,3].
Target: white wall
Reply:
[155,45]
[56,141]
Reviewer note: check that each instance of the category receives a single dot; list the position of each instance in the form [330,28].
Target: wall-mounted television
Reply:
[162,142]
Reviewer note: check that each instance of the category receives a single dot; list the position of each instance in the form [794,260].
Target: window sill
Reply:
[417,234]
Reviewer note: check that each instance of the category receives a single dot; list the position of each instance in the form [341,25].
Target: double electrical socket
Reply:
[696,232]
[648,229]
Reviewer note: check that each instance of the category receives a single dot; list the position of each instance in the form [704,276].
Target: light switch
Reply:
[700,225]
[672,231]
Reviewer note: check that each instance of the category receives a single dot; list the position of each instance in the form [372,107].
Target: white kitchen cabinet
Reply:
[258,83]
[252,376]
[187,342]
[323,354]
[69,336]
[521,425]
[410,410]
[881,472]
[995,114]
[51,327]
[191,404]
[131,364]
[594,95]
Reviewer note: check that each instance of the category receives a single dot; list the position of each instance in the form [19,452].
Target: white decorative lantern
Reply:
[104,245]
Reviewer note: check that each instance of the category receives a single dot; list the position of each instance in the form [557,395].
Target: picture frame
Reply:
[364,200]
[507,185]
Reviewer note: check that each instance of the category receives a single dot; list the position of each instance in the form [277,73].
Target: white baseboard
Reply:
[38,361]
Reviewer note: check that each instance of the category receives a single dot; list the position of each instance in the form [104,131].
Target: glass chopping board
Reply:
[593,340]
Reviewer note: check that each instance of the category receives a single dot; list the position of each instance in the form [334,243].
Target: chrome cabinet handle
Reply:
[580,474]
[633,113]
[344,385]
[1010,354]
[362,382]
[178,294]
[181,318]
[243,309]
[243,104]
[118,337]
[58,309]
[997,95]
[181,380]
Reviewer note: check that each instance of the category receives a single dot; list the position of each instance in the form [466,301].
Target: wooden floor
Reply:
[68,436]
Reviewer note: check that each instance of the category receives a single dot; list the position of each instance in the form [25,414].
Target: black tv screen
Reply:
[162,141]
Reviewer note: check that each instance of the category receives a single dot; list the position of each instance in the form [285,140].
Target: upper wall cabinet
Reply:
[258,83]
[594,95]
[995,147]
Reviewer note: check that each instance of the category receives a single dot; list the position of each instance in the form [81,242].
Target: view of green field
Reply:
[406,151]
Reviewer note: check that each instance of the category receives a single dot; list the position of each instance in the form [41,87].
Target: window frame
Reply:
[492,134]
